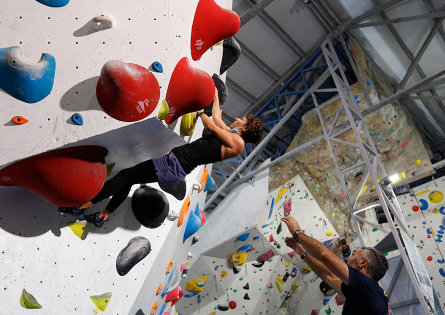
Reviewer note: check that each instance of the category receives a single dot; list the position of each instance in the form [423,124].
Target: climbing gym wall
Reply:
[393,131]
[87,89]
[254,272]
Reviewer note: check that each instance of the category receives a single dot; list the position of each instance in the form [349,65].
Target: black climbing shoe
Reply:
[93,218]
[73,210]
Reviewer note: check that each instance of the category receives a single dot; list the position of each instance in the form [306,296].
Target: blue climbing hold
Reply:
[293,274]
[243,237]
[441,261]
[438,240]
[77,119]
[424,222]
[423,204]
[27,82]
[358,102]
[439,235]
[266,225]
[271,207]
[54,3]
[265,233]
[442,212]
[440,232]
[368,83]
[256,238]
[442,272]
[199,298]
[210,184]
[216,267]
[162,309]
[189,295]
[193,223]
[325,301]
[245,248]
[428,231]
[355,96]
[157,67]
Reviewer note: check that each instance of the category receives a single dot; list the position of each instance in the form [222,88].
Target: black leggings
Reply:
[120,185]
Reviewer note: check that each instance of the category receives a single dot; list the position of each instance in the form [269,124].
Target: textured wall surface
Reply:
[39,252]
[396,137]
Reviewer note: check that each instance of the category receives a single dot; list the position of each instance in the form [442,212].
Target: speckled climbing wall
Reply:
[394,133]
[54,102]
[254,270]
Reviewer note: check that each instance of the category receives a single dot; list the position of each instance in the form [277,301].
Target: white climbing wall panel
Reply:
[39,252]
[272,270]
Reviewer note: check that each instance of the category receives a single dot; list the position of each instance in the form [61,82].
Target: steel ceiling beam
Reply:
[419,55]
[279,31]
[438,118]
[252,56]
[240,90]
[315,10]
[432,15]
[254,11]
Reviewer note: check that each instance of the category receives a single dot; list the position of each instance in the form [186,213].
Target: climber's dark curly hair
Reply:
[253,132]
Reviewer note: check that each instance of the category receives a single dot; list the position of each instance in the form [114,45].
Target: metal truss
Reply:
[373,166]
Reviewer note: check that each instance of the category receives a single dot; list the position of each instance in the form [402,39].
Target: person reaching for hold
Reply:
[356,279]
[221,143]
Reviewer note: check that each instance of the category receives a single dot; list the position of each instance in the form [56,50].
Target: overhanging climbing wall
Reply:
[40,253]
[254,272]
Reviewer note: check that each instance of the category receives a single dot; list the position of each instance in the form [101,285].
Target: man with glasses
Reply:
[356,278]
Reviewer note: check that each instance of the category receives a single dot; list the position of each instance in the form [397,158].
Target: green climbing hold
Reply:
[374,229]
[241,279]
[235,290]
[385,254]
[421,242]
[328,311]
[29,301]
[110,168]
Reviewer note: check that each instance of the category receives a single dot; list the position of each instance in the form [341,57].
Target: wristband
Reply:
[303,256]
[199,114]
[295,235]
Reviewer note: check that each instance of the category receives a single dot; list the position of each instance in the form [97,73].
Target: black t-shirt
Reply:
[363,295]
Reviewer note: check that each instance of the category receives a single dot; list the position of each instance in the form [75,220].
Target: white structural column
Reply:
[371,161]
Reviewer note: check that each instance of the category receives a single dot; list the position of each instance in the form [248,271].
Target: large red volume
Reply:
[189,90]
[211,24]
[127,91]
[66,177]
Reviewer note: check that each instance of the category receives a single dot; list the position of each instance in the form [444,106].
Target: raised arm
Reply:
[316,265]
[233,144]
[337,266]
[216,113]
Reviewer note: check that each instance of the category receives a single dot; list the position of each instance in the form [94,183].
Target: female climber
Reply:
[219,143]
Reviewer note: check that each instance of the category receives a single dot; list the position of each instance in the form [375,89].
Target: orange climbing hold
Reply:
[66,177]
[271,238]
[127,91]
[154,308]
[189,90]
[159,289]
[204,177]
[211,24]
[169,267]
[184,210]
[19,120]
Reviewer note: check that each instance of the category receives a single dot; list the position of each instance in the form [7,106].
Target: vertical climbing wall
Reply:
[254,272]
[39,251]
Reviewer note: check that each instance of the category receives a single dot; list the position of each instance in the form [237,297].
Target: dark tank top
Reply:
[205,150]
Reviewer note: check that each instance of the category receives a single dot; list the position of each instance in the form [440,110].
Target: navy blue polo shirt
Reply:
[363,295]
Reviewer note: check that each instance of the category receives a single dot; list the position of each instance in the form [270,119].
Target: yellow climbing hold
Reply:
[307,268]
[435,196]
[286,264]
[435,210]
[278,280]
[102,300]
[422,192]
[238,259]
[280,194]
[163,110]
[417,162]
[363,190]
[78,228]
[329,232]
[403,175]
[188,123]
[223,273]
[196,285]
[27,300]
